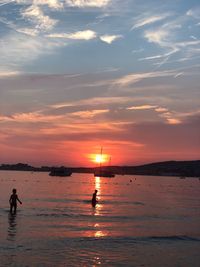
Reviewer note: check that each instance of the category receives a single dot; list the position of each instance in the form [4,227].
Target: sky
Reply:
[78,75]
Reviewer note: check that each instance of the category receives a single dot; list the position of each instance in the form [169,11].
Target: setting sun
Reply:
[99,158]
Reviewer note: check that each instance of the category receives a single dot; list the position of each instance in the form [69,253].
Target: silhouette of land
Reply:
[166,168]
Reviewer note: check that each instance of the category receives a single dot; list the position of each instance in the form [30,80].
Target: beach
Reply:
[138,221]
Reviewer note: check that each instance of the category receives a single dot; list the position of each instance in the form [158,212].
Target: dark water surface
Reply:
[151,221]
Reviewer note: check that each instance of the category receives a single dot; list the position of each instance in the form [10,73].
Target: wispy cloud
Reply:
[87,3]
[161,109]
[137,51]
[8,73]
[194,12]
[53,4]
[17,50]
[109,38]
[175,117]
[142,107]
[90,113]
[160,56]
[179,74]
[85,35]
[92,101]
[136,77]
[27,31]
[5,2]
[169,37]
[170,117]
[79,35]
[37,17]
[159,36]
[32,117]
[148,20]
[193,37]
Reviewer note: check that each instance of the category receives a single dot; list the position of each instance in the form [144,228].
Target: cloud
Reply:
[79,35]
[28,31]
[149,20]
[93,101]
[170,117]
[161,55]
[136,77]
[54,4]
[90,113]
[137,50]
[5,2]
[175,117]
[194,12]
[193,37]
[187,43]
[159,36]
[32,117]
[18,50]
[24,30]
[170,38]
[109,38]
[173,121]
[142,107]
[179,74]
[8,73]
[36,16]
[160,109]
[87,3]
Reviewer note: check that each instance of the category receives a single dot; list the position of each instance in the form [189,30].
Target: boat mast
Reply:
[100,160]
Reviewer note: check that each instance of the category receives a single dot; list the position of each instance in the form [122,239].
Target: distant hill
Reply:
[166,168]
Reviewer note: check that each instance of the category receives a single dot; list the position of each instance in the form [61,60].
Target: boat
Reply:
[60,171]
[102,171]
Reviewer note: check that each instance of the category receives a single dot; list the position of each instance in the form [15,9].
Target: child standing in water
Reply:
[13,200]
[94,198]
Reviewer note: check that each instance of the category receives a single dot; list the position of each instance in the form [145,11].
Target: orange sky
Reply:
[122,75]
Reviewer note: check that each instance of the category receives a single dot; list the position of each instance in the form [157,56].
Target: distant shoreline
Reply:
[167,168]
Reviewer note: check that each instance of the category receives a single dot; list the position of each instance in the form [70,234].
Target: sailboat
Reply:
[101,172]
[60,171]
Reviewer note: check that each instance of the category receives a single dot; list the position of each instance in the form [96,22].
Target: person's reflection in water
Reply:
[12,226]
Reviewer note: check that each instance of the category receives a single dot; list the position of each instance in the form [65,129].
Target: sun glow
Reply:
[99,158]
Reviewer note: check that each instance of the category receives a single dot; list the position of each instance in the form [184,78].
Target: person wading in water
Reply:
[94,198]
[13,201]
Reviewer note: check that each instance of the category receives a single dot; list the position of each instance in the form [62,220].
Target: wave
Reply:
[146,239]
[87,201]
[104,217]
[174,238]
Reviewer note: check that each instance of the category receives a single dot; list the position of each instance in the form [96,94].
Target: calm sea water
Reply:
[151,221]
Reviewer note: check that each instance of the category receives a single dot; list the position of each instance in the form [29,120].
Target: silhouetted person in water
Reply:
[94,198]
[13,201]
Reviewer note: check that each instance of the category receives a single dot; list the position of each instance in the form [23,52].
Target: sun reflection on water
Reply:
[97,211]
[98,185]
[100,234]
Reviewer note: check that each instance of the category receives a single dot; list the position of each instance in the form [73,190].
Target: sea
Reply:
[138,221]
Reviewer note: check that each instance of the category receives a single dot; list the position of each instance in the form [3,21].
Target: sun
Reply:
[98,158]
